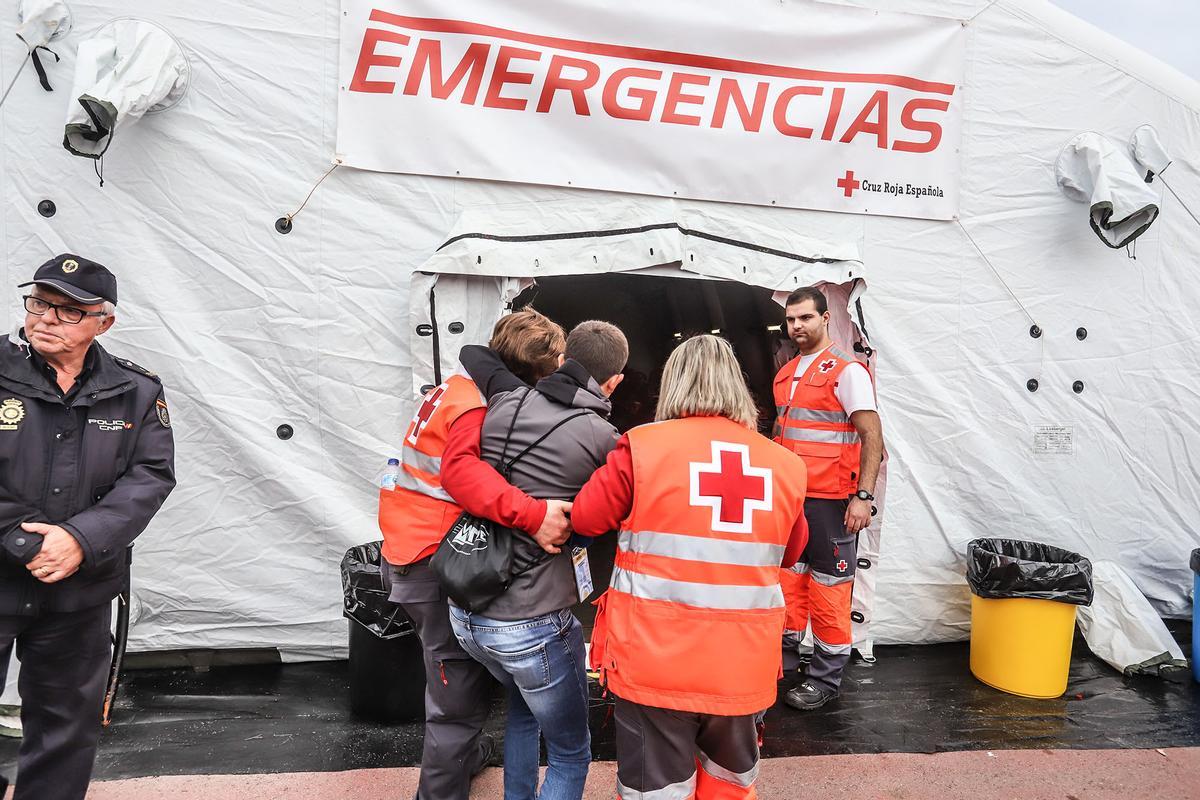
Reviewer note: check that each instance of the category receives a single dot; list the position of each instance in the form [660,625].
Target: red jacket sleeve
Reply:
[607,498]
[797,541]
[478,487]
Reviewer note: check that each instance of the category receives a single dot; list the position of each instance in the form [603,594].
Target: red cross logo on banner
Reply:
[827,365]
[424,414]
[847,183]
[731,487]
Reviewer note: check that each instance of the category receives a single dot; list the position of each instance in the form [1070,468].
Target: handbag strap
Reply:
[505,469]
[508,436]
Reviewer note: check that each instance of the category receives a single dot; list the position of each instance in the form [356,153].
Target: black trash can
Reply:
[387,673]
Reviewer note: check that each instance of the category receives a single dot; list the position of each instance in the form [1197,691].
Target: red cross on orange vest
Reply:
[731,487]
[425,413]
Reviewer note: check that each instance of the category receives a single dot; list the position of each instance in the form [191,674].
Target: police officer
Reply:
[86,460]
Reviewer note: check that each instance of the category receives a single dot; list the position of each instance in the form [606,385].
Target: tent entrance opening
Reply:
[656,312]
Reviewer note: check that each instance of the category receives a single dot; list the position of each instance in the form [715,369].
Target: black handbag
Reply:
[474,562]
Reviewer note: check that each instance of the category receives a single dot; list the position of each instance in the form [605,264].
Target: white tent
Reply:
[316,329]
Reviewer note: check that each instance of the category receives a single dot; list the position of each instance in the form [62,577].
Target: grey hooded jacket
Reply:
[554,470]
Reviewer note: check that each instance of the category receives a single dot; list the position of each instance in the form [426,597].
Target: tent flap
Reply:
[129,68]
[1091,170]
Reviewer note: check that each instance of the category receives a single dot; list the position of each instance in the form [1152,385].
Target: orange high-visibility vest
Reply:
[693,616]
[812,423]
[414,517]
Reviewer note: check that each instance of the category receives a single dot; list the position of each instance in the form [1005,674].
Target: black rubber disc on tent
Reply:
[1077,387]
[1031,384]
[283,225]
[284,432]
[47,208]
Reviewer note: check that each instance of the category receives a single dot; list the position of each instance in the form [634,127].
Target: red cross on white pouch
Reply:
[424,414]
[731,487]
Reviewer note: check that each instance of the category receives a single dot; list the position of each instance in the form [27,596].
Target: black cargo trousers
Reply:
[457,688]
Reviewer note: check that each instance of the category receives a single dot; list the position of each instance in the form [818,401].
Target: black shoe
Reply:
[807,697]
[487,752]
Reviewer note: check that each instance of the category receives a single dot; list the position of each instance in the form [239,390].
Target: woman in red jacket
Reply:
[687,637]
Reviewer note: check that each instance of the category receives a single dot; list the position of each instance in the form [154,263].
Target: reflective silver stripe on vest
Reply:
[800,568]
[839,353]
[813,415]
[407,481]
[415,458]
[683,790]
[780,411]
[744,779]
[693,548]
[700,595]
[830,580]
[832,649]
[828,437]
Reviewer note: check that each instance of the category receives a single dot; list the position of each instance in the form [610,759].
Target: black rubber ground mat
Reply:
[289,718]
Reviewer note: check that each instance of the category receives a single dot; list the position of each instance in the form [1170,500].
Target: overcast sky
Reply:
[1167,29]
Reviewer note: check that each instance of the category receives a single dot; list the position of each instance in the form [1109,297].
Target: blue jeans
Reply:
[540,663]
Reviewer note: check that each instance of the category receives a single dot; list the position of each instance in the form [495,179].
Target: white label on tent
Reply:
[820,106]
[1053,440]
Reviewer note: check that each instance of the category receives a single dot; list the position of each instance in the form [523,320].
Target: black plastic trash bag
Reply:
[365,593]
[1003,568]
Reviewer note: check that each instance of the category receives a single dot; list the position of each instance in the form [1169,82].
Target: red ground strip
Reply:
[979,775]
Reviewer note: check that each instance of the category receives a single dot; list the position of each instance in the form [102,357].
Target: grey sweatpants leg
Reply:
[65,660]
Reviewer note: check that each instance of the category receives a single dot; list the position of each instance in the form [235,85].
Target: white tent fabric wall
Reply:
[250,329]
[9,696]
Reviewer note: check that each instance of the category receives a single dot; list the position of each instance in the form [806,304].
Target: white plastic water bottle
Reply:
[389,475]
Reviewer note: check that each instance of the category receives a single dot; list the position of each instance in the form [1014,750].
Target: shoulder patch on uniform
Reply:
[138,368]
[160,407]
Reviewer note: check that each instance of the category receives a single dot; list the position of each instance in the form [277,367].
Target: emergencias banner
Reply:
[801,105]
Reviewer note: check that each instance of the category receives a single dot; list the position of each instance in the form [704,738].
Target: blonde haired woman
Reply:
[687,636]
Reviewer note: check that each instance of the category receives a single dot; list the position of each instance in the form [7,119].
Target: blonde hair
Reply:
[702,378]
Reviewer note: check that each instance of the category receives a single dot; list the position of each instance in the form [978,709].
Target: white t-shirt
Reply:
[854,390]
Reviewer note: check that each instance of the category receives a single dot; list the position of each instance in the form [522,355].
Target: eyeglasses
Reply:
[68,314]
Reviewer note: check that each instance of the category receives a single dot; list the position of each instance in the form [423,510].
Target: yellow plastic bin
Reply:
[1023,603]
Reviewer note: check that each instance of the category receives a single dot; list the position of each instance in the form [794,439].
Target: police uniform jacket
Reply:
[98,461]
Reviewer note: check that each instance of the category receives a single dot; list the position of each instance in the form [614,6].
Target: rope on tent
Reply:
[14,80]
[996,272]
[980,11]
[1180,199]
[291,216]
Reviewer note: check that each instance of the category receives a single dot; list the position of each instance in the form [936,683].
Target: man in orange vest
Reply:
[826,413]
[413,519]
[687,635]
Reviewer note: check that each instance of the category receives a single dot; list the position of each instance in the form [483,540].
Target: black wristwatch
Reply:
[863,494]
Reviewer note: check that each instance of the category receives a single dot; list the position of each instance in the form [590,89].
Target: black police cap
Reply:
[77,278]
